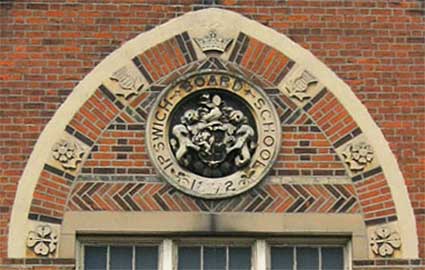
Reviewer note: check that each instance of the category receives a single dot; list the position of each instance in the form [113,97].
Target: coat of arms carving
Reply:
[213,139]
[212,134]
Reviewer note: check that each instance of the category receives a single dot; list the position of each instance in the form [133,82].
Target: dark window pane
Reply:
[239,258]
[214,258]
[282,258]
[95,258]
[146,258]
[121,258]
[189,258]
[307,258]
[332,258]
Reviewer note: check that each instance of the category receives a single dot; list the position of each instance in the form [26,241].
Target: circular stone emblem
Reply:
[212,134]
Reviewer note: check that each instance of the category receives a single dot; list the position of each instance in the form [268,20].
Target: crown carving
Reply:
[212,42]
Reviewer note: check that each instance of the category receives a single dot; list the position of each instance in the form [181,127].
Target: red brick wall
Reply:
[377,47]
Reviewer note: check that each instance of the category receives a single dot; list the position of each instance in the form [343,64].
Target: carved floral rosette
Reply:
[213,135]
[385,241]
[68,153]
[43,240]
[358,156]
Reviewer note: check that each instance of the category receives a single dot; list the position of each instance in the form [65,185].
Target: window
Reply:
[218,253]
[214,258]
[111,257]
[307,258]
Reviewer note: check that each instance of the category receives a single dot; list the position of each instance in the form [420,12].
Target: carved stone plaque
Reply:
[213,134]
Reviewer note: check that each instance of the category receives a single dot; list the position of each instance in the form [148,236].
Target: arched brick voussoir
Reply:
[334,129]
[90,108]
[113,131]
[93,122]
[230,24]
[165,57]
[343,120]
[84,129]
[322,122]
[260,59]
[371,185]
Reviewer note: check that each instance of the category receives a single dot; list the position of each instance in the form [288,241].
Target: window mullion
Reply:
[347,256]
[81,253]
[260,255]
[167,255]
[320,258]
[108,257]
[202,257]
[227,257]
[133,259]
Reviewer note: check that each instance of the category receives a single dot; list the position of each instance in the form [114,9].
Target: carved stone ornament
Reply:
[128,83]
[213,134]
[297,88]
[43,241]
[69,154]
[384,242]
[212,42]
[357,156]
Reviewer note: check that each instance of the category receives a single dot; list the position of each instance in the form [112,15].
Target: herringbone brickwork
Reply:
[286,198]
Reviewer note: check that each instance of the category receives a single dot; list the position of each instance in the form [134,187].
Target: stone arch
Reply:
[156,58]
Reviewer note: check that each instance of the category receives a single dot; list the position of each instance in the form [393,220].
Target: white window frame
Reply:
[321,242]
[168,247]
[203,242]
[109,241]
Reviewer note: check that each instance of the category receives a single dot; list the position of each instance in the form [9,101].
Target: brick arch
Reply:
[120,154]
[96,114]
